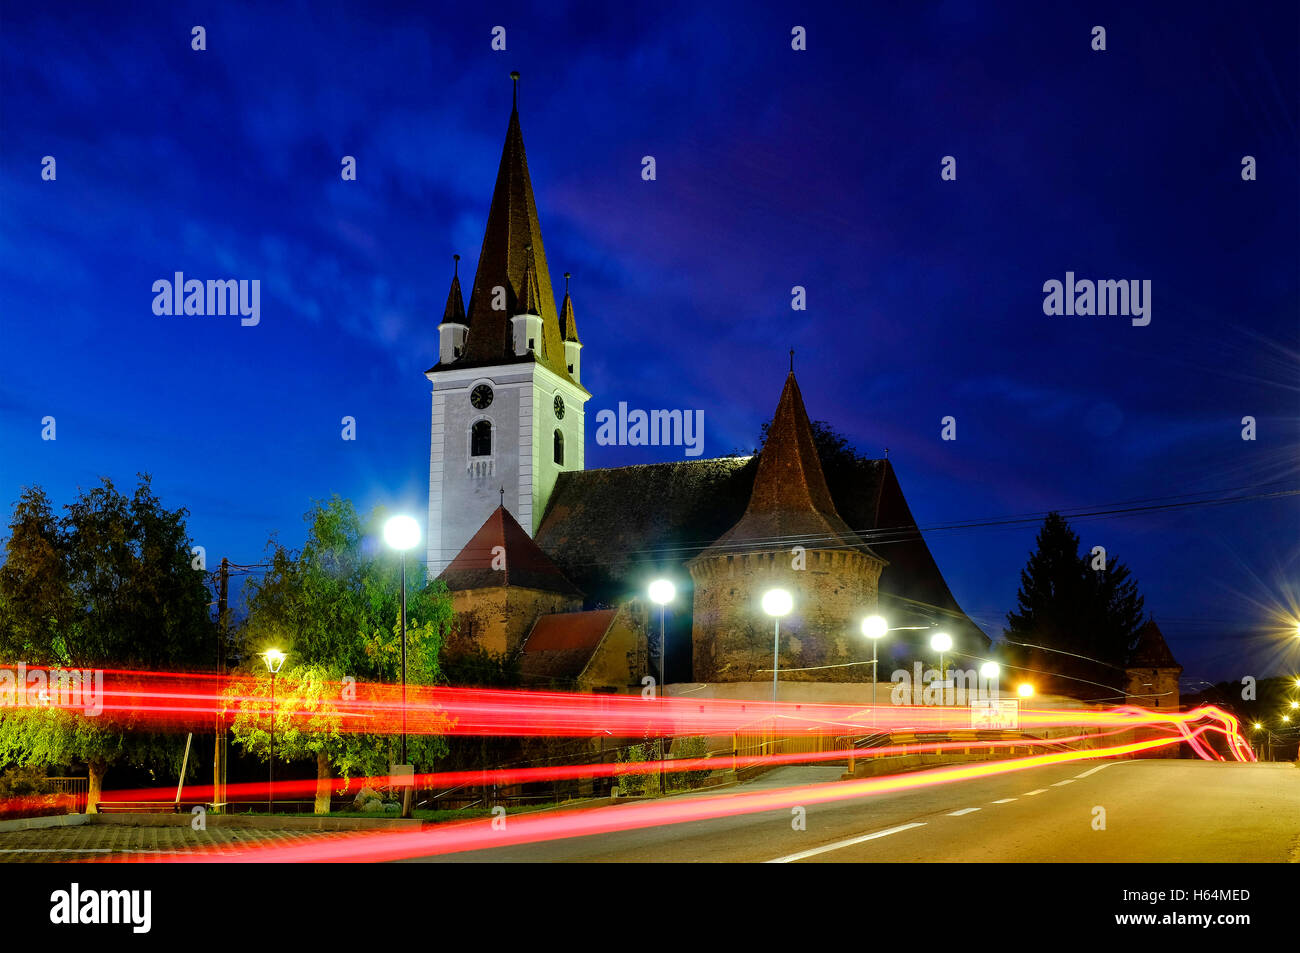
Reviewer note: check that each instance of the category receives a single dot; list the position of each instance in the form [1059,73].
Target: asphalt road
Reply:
[1154,811]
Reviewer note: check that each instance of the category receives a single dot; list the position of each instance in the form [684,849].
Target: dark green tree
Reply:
[112,584]
[1074,626]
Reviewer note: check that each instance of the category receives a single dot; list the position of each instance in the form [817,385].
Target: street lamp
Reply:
[776,603]
[274,660]
[990,669]
[402,533]
[874,627]
[1025,690]
[662,592]
[941,642]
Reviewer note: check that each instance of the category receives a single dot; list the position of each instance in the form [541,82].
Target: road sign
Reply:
[996,714]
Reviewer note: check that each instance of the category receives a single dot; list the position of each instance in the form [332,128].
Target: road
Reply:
[1154,811]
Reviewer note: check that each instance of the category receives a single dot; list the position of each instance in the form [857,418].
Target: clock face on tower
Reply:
[559,407]
[481,397]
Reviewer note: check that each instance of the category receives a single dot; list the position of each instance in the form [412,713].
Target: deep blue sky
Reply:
[775,168]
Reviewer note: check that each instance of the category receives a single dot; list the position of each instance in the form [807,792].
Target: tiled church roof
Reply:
[525,565]
[613,530]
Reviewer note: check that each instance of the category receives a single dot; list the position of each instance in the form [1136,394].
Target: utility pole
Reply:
[218,755]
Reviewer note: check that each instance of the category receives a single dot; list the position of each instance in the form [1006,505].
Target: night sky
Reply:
[775,168]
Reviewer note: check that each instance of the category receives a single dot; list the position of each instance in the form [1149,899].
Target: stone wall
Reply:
[732,637]
[498,618]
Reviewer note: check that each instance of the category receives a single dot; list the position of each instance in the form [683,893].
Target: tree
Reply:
[109,585]
[1074,627]
[335,608]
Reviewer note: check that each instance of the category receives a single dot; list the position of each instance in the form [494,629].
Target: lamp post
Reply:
[874,627]
[274,659]
[402,533]
[662,592]
[776,603]
[941,642]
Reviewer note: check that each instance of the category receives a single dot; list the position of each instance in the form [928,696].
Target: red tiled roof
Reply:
[569,630]
[525,565]
[561,646]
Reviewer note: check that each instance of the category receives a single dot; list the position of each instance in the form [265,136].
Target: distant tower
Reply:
[833,576]
[508,403]
[1153,683]
[1153,672]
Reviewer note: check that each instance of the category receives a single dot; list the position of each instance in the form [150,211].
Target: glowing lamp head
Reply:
[874,626]
[274,659]
[1295,704]
[941,641]
[777,602]
[990,669]
[1025,690]
[1286,718]
[401,532]
[662,591]
[1256,726]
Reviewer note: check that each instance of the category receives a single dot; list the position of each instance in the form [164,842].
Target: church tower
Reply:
[790,536]
[508,401]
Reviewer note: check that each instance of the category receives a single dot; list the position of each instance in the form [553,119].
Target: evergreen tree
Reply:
[1074,626]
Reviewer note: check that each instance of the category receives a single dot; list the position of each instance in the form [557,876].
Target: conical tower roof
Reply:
[1152,651]
[568,327]
[454,312]
[790,504]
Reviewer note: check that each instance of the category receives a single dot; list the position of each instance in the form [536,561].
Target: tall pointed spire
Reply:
[512,247]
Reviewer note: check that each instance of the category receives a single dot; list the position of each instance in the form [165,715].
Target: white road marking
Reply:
[1032,793]
[1005,800]
[843,843]
[1095,770]
[1066,781]
[964,810]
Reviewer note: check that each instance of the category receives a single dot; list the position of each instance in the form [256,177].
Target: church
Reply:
[548,562]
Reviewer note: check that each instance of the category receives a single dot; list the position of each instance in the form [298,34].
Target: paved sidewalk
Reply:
[94,842]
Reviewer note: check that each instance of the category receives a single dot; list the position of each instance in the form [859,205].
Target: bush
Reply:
[694,746]
[634,783]
[27,792]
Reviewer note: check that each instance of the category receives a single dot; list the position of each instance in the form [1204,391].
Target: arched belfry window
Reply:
[480,439]
[559,448]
